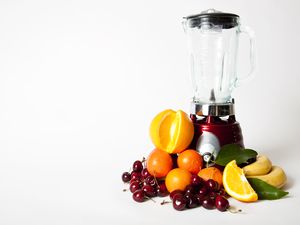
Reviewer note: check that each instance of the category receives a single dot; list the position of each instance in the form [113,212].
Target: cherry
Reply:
[135,174]
[150,180]
[149,190]
[134,186]
[174,193]
[197,181]
[208,203]
[190,189]
[192,202]
[222,192]
[213,195]
[200,198]
[145,173]
[212,185]
[203,191]
[188,195]
[126,177]
[179,202]
[162,190]
[221,203]
[138,196]
[135,180]
[137,166]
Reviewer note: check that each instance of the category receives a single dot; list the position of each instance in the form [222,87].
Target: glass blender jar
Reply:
[213,39]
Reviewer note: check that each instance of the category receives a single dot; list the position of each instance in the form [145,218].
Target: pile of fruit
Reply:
[175,170]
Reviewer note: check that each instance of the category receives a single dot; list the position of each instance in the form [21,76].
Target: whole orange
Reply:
[159,163]
[178,179]
[190,160]
[211,173]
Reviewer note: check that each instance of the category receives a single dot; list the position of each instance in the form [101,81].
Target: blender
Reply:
[213,39]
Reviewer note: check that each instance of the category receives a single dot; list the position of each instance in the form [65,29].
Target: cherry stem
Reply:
[150,199]
[144,162]
[165,202]
[155,179]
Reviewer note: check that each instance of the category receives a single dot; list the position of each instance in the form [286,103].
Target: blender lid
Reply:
[213,17]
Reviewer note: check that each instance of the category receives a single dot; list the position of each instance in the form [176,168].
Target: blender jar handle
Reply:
[248,31]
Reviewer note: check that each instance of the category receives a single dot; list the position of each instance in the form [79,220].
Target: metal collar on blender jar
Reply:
[213,109]
[212,17]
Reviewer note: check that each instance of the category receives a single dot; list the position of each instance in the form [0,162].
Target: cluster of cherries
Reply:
[144,186]
[200,193]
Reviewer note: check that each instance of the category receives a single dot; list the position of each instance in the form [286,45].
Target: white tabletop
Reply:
[80,82]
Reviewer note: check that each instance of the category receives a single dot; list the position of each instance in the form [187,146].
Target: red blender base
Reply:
[215,131]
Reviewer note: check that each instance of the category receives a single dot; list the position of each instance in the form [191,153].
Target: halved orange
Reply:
[236,184]
[171,131]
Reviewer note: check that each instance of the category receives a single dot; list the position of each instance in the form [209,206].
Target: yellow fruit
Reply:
[178,179]
[171,131]
[236,184]
[261,166]
[276,177]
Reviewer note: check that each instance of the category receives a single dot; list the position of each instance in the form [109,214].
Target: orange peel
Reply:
[171,131]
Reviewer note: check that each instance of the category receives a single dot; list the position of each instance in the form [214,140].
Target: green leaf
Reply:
[265,190]
[234,152]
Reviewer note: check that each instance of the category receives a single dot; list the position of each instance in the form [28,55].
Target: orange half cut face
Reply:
[236,183]
[171,131]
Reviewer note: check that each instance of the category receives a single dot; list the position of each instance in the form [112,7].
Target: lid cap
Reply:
[213,17]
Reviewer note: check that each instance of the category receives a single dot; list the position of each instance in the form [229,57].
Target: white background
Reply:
[80,82]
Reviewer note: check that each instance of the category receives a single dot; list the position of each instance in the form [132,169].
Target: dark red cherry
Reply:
[192,202]
[176,192]
[221,203]
[200,198]
[179,202]
[135,175]
[145,173]
[138,196]
[197,181]
[126,177]
[134,186]
[137,166]
[150,180]
[162,190]
[149,190]
[203,190]
[208,203]
[212,185]
[190,189]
